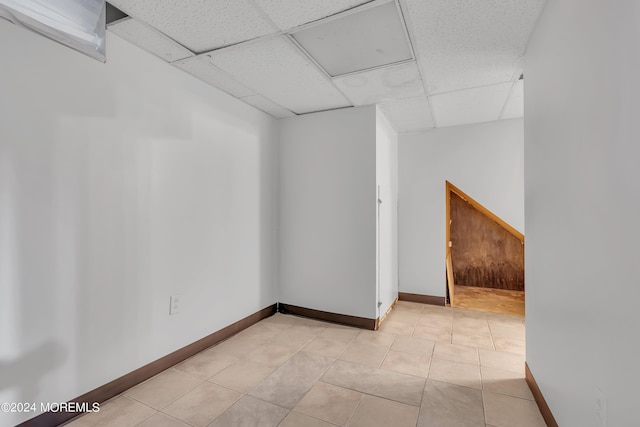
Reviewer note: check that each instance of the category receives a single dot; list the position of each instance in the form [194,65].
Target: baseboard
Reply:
[423,299]
[343,319]
[539,398]
[125,382]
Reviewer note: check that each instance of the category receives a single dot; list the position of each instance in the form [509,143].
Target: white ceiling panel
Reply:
[372,37]
[201,68]
[461,43]
[481,104]
[278,71]
[288,14]
[201,25]
[149,39]
[382,84]
[409,114]
[262,103]
[514,108]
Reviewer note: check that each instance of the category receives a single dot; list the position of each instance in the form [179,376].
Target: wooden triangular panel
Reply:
[484,250]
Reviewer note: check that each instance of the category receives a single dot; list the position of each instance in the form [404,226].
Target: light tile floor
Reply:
[426,366]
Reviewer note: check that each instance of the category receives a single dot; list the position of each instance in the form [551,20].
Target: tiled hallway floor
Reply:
[427,366]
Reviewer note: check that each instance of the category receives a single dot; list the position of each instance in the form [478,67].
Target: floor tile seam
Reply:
[145,404]
[508,395]
[375,395]
[242,393]
[424,389]
[244,359]
[457,384]
[484,409]
[145,420]
[123,395]
[486,421]
[207,378]
[186,422]
[493,346]
[497,335]
[393,400]
[346,347]
[355,411]
[173,367]
[511,395]
[301,399]
[322,374]
[260,399]
[455,361]
[406,373]
[310,416]
[413,328]
[401,334]
[224,387]
[522,377]
[283,362]
[428,354]
[174,400]
[431,356]
[469,346]
[386,353]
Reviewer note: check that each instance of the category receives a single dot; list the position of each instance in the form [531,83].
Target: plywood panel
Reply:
[484,253]
[492,300]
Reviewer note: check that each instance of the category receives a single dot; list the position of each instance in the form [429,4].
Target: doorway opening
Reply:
[484,257]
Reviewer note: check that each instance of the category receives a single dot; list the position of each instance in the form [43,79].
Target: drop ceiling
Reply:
[425,63]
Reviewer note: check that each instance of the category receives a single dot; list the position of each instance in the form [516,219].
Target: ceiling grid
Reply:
[463,66]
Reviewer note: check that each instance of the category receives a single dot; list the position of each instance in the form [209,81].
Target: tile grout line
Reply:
[355,411]
[348,342]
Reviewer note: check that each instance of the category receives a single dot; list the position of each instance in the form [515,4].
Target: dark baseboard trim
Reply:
[344,319]
[125,382]
[537,395]
[423,299]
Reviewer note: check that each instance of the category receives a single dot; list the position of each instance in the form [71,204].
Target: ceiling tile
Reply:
[461,44]
[481,104]
[149,39]
[201,25]
[409,114]
[201,68]
[514,108]
[382,84]
[277,70]
[288,14]
[372,37]
[262,103]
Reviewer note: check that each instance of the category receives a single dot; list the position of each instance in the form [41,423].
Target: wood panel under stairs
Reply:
[492,300]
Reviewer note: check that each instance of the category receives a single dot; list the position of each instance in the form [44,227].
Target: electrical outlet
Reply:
[601,409]
[174,304]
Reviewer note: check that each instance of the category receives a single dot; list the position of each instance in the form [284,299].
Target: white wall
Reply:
[582,208]
[120,184]
[484,160]
[387,221]
[327,216]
